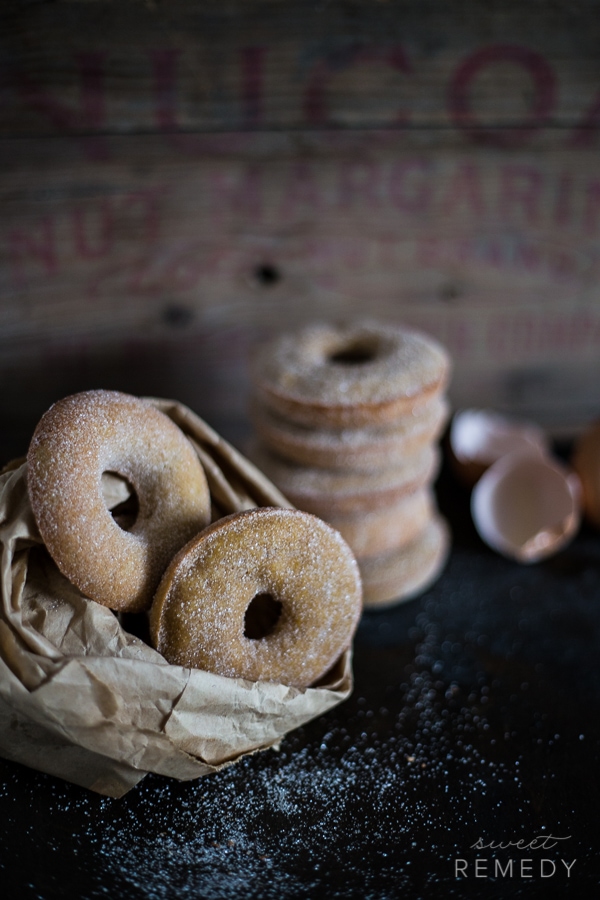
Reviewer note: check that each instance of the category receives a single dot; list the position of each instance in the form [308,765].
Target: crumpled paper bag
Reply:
[83,699]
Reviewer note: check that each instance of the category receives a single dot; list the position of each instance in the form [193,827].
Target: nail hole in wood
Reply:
[267,274]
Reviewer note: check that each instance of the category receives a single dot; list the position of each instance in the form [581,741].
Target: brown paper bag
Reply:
[83,699]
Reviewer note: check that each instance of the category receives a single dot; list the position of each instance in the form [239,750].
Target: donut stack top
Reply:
[347,419]
[353,375]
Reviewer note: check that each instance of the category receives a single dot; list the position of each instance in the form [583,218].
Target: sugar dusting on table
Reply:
[457,730]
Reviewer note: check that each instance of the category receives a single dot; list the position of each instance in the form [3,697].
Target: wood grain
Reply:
[179,179]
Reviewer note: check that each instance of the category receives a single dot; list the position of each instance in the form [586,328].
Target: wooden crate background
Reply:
[179,179]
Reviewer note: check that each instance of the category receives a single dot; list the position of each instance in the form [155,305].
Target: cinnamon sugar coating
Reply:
[365,373]
[401,574]
[327,491]
[371,532]
[75,442]
[359,449]
[198,617]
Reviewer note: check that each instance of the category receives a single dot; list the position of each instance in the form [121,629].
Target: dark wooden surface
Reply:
[90,69]
[191,174]
[475,715]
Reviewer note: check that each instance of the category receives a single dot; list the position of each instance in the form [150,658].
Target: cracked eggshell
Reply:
[479,437]
[527,506]
[586,462]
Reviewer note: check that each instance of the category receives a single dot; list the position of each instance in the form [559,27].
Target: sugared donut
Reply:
[78,439]
[282,576]
[375,531]
[402,574]
[360,449]
[349,376]
[327,491]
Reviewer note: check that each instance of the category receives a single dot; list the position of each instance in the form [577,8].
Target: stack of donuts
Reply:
[347,419]
[269,593]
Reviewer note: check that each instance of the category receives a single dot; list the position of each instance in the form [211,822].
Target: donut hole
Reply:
[261,617]
[121,499]
[354,353]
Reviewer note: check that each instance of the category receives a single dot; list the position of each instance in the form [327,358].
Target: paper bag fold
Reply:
[83,699]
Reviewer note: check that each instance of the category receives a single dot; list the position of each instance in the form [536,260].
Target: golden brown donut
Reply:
[402,574]
[375,531]
[331,491]
[78,439]
[360,449]
[362,374]
[304,576]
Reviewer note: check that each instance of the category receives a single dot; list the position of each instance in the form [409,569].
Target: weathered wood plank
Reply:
[397,160]
[494,251]
[500,73]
